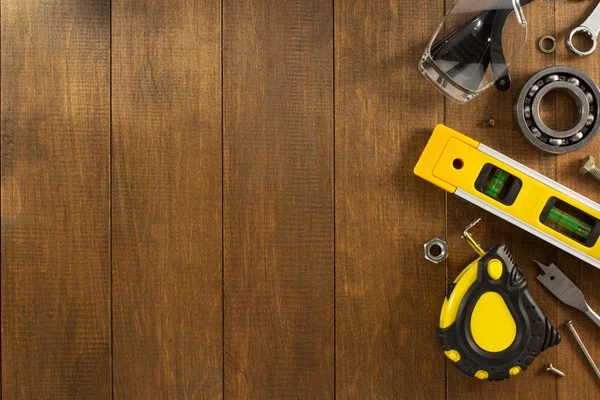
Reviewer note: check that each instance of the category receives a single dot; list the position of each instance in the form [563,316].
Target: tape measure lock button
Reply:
[495,269]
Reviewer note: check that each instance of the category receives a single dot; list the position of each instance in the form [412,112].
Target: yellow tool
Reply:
[491,327]
[512,191]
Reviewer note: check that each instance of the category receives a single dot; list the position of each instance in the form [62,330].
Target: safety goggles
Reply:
[474,47]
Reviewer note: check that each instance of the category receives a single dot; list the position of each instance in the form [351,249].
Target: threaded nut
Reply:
[436,250]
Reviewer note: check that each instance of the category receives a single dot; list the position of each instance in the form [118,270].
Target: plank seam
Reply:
[12,238]
[222,209]
[110,197]
[333,86]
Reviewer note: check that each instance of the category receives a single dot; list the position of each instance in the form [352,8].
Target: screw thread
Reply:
[595,172]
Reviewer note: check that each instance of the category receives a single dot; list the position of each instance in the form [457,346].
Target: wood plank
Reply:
[580,382]
[167,259]
[507,139]
[388,295]
[55,199]
[278,199]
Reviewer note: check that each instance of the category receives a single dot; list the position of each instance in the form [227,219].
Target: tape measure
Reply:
[491,327]
[512,191]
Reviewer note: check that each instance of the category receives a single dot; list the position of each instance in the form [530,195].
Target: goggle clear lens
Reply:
[474,47]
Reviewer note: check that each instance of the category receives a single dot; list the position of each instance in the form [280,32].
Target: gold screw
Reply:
[490,122]
[589,167]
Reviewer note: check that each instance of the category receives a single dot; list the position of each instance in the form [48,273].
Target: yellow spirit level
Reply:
[512,191]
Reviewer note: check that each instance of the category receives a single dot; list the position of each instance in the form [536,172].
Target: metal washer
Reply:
[579,86]
[544,49]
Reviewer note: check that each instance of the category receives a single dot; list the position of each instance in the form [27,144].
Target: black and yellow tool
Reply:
[491,327]
[510,190]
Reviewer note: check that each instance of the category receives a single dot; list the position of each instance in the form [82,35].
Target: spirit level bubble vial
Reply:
[510,190]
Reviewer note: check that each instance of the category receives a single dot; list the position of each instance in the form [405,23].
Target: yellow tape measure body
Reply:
[491,327]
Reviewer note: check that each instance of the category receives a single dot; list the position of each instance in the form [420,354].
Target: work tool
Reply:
[510,190]
[489,123]
[586,96]
[491,327]
[569,325]
[542,44]
[551,368]
[589,167]
[436,250]
[591,29]
[565,290]
[475,54]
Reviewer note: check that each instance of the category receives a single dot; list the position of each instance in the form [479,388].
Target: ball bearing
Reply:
[584,93]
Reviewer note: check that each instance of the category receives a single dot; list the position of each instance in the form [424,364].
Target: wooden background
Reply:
[207,199]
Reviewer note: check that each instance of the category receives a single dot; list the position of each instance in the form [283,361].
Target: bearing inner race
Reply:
[578,96]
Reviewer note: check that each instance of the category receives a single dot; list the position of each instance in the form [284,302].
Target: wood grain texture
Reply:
[388,297]
[167,269]
[278,203]
[55,200]
[267,229]
[580,382]
[507,139]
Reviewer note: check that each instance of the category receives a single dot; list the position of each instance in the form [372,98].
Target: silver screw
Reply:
[490,122]
[580,343]
[589,167]
[550,368]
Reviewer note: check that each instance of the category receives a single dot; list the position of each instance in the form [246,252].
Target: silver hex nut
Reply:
[436,250]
